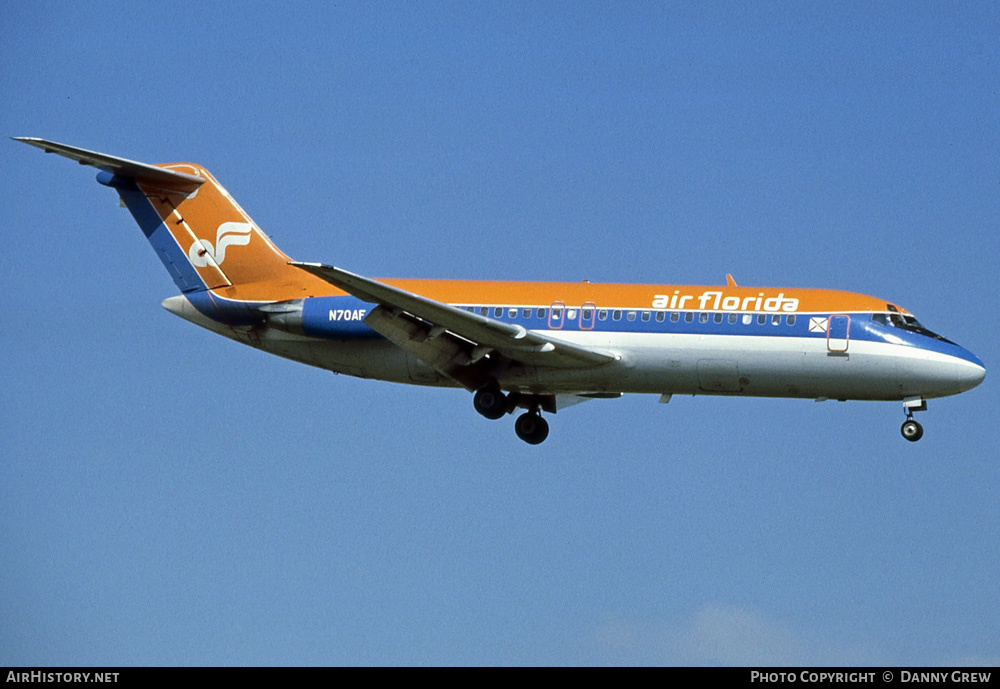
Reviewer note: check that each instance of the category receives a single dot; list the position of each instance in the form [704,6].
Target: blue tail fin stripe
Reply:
[173,258]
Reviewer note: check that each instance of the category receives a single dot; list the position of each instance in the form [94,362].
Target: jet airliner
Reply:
[536,346]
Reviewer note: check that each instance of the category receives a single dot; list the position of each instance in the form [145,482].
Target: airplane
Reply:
[537,346]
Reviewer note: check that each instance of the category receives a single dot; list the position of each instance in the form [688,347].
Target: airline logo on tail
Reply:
[229,234]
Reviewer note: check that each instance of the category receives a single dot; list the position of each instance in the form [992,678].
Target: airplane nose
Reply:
[975,377]
[942,373]
[969,372]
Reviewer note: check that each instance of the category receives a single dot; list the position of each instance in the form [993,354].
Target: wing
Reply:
[448,338]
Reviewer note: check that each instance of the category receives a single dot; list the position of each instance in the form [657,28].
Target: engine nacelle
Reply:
[326,317]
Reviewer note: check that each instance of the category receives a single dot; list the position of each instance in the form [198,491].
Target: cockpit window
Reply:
[911,323]
[905,322]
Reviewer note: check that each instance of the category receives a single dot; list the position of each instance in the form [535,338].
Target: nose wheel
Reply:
[912,430]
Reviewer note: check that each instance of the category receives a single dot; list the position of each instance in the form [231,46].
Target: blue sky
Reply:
[170,497]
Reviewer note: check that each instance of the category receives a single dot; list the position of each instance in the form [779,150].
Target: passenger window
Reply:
[776,319]
[602,315]
[588,314]
[790,319]
[718,318]
[616,315]
[703,317]
[484,311]
[762,319]
[498,312]
[689,317]
[540,313]
[571,314]
[526,313]
[512,312]
[661,316]
[733,318]
[631,315]
[747,319]
[645,315]
[674,316]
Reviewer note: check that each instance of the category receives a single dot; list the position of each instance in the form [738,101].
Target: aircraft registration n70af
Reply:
[538,346]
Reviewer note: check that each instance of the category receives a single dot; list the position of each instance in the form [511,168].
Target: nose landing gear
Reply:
[912,430]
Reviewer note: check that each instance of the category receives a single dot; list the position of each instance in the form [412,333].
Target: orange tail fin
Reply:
[219,241]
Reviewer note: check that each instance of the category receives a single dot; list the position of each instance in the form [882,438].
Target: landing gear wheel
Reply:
[531,428]
[490,402]
[912,430]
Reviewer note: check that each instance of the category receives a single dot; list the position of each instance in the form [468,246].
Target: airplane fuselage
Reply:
[779,352]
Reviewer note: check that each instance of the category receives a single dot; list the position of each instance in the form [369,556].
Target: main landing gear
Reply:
[491,402]
[912,430]
[531,428]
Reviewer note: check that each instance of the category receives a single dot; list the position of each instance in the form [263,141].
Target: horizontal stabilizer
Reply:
[159,177]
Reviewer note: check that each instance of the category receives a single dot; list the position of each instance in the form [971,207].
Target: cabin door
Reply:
[838,333]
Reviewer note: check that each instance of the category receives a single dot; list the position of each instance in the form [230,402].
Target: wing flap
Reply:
[511,340]
[445,353]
